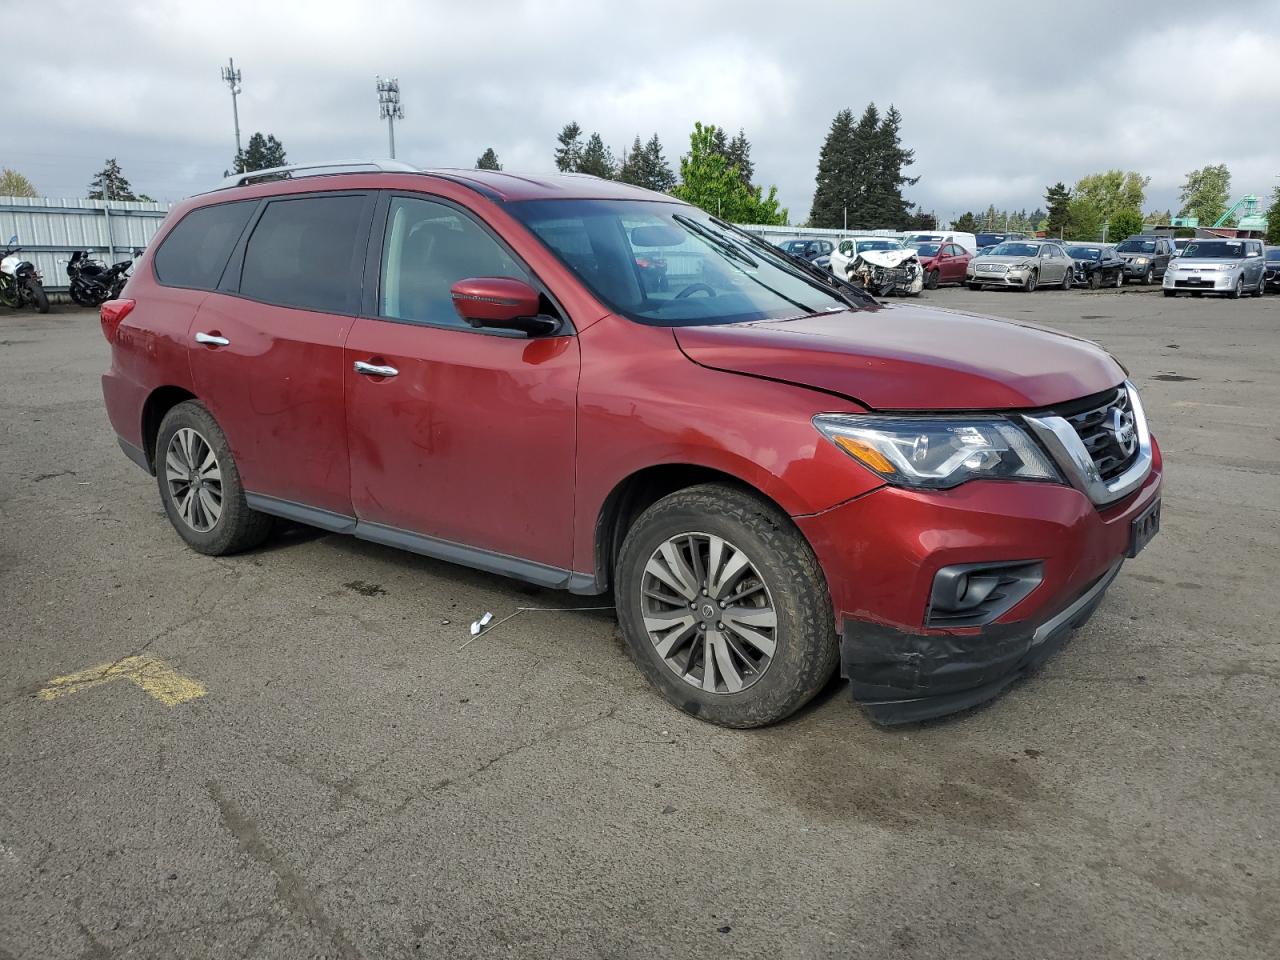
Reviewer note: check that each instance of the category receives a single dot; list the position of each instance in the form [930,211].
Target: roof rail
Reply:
[316,170]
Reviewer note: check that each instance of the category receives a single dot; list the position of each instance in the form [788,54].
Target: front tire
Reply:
[1095,280]
[724,607]
[1149,277]
[1066,280]
[1238,290]
[931,280]
[200,485]
[1119,279]
[1029,286]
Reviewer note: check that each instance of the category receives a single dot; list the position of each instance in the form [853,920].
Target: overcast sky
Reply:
[998,99]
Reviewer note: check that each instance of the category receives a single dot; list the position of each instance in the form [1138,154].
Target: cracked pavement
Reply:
[356,785]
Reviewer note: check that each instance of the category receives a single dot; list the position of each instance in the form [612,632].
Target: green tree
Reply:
[885,165]
[263,153]
[836,173]
[1084,220]
[1058,199]
[739,155]
[1124,223]
[655,170]
[631,169]
[597,160]
[966,223]
[1113,191]
[569,153]
[1206,193]
[488,160]
[707,180]
[1273,219]
[14,184]
[110,184]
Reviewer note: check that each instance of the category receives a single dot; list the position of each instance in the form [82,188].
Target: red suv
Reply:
[774,474]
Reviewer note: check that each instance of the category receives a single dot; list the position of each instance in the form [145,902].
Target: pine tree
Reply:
[597,160]
[1058,199]
[110,184]
[569,153]
[488,160]
[739,155]
[888,208]
[632,169]
[966,223]
[657,173]
[263,153]
[835,173]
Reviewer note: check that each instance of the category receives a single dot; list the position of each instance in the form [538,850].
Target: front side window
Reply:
[196,251]
[712,274]
[430,246]
[305,253]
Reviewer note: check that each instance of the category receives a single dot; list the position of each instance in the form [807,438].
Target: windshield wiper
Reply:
[851,294]
[720,243]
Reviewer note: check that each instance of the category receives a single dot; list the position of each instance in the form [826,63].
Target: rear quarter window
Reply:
[195,252]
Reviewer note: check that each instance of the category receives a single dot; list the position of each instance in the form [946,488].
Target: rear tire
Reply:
[38,296]
[210,515]
[674,625]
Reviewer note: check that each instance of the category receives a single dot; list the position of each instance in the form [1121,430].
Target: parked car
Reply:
[1228,268]
[994,239]
[882,265]
[942,263]
[1097,265]
[774,474]
[966,240]
[1022,264]
[1272,272]
[810,249]
[1146,257]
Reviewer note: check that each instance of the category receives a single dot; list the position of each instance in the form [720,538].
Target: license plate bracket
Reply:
[1143,528]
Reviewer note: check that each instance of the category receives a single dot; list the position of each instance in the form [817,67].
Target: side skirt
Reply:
[491,562]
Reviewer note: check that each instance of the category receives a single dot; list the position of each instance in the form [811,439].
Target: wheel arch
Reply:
[159,402]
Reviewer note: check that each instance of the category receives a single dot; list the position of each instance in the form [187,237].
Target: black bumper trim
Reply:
[899,677]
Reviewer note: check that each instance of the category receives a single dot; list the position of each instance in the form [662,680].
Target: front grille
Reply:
[1193,283]
[1093,420]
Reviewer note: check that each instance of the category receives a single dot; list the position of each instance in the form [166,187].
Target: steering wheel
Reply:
[693,288]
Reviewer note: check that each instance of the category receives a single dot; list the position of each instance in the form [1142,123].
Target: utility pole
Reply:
[389,108]
[845,211]
[231,77]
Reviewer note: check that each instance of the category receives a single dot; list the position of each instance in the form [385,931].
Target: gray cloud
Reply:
[998,100]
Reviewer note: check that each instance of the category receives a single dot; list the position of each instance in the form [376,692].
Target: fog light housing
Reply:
[974,594]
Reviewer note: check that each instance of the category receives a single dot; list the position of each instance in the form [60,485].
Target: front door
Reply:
[458,435]
[266,349]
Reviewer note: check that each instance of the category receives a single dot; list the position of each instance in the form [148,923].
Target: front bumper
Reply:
[1134,269]
[1014,278]
[881,552]
[1218,282]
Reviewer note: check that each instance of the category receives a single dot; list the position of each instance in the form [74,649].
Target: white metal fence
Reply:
[49,230]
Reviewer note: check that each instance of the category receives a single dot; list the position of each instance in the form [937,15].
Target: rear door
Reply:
[466,437]
[267,348]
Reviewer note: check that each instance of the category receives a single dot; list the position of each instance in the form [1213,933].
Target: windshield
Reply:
[1137,246]
[712,275]
[927,249]
[1085,253]
[1214,250]
[878,245]
[1016,250]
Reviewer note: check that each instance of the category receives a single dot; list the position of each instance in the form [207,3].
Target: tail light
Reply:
[111,313]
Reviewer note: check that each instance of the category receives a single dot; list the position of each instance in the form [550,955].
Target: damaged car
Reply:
[880,264]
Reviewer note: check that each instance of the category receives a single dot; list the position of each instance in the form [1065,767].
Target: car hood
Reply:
[1135,256]
[887,258]
[907,357]
[1009,260]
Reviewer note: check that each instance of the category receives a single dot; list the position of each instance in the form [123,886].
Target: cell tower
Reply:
[389,108]
[231,77]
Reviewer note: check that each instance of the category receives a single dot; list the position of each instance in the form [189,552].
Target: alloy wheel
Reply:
[195,479]
[708,613]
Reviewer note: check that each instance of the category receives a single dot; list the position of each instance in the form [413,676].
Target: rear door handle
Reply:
[374,370]
[202,337]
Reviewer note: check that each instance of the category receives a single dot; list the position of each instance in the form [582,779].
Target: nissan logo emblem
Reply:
[1122,428]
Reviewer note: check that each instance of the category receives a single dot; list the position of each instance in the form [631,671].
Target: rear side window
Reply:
[303,253]
[195,252]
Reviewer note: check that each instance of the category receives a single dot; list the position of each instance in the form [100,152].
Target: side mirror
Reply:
[500,303]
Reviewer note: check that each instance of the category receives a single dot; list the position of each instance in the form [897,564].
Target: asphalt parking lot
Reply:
[297,756]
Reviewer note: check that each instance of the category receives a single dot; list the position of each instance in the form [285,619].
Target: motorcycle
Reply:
[93,283]
[20,280]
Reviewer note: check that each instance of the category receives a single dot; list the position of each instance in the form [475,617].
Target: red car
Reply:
[942,263]
[776,475]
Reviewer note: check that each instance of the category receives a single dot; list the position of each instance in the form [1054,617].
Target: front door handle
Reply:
[211,338]
[374,370]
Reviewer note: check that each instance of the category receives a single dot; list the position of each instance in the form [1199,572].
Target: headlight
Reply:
[1141,261]
[937,452]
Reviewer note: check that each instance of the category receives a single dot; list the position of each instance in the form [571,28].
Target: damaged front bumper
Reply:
[900,677]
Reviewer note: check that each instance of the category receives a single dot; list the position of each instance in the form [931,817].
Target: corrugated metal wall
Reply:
[49,230]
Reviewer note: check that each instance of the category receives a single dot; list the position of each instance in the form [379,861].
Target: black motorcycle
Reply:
[93,283]
[20,280]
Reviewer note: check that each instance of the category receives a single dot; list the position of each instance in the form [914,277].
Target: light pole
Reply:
[389,108]
[231,77]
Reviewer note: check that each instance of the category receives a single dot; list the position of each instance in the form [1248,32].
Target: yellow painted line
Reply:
[154,676]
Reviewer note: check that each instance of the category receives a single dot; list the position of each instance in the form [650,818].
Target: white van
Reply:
[966,240]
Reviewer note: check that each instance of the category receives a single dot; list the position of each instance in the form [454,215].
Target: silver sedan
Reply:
[1024,264]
